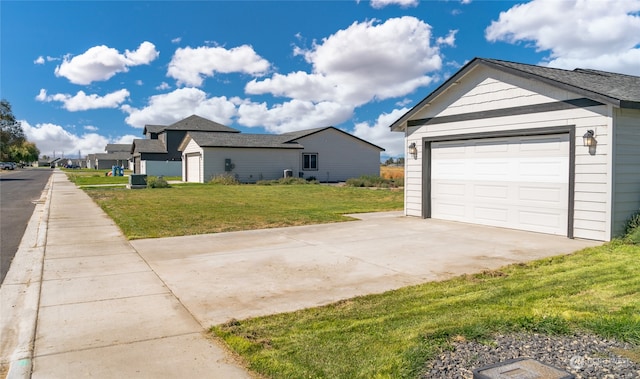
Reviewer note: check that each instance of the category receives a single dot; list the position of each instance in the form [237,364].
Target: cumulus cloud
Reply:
[602,34]
[163,86]
[293,115]
[378,4]
[379,134]
[82,102]
[39,60]
[90,128]
[100,63]
[50,138]
[361,63]
[168,108]
[189,66]
[449,40]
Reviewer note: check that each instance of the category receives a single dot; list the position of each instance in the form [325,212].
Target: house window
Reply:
[310,161]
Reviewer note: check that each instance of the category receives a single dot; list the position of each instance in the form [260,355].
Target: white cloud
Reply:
[190,66]
[366,61]
[139,82]
[293,115]
[100,63]
[449,40]
[50,138]
[168,108]
[163,86]
[128,138]
[39,60]
[176,40]
[380,134]
[601,34]
[82,102]
[90,128]
[378,4]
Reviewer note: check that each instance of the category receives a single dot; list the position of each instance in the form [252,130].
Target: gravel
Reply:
[585,356]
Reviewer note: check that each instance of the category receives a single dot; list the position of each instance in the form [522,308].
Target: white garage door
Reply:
[511,182]
[193,168]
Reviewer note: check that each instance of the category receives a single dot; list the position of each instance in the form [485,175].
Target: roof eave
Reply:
[581,91]
[400,124]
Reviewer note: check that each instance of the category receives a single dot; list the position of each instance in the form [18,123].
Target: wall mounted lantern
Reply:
[589,139]
[413,150]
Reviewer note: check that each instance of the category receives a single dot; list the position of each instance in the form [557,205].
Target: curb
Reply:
[20,300]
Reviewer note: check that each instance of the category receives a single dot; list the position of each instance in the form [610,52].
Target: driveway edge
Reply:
[20,292]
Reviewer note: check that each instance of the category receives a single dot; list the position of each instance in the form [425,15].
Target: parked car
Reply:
[7,165]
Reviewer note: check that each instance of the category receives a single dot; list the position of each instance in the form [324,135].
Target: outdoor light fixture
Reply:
[413,150]
[589,138]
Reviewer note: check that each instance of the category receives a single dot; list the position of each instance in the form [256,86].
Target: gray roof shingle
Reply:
[619,90]
[117,147]
[617,87]
[191,123]
[270,141]
[148,146]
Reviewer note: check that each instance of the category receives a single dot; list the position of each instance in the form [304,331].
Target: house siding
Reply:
[250,165]
[626,168]
[485,89]
[340,157]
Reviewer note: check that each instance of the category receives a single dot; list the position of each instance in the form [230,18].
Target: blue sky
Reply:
[80,75]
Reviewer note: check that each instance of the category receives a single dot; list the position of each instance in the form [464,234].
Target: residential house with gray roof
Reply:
[327,154]
[526,147]
[158,153]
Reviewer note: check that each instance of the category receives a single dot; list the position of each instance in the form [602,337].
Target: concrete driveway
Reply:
[245,274]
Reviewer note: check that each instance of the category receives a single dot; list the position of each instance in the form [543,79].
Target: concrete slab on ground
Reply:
[219,277]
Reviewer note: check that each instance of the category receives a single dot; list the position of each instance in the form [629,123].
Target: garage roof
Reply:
[619,90]
[239,140]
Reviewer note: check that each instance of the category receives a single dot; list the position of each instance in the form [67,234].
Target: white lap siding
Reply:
[483,90]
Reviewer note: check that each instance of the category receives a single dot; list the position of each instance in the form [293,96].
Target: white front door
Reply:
[193,168]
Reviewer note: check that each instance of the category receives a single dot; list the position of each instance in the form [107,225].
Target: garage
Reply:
[517,182]
[193,168]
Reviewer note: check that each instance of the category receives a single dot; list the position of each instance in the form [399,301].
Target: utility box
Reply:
[137,181]
[288,173]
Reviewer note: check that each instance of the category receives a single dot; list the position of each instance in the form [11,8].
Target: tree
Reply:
[388,162]
[24,152]
[11,133]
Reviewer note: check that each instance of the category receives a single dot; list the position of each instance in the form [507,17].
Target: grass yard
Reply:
[393,335]
[204,208]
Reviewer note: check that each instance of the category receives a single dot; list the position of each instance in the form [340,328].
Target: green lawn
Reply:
[205,208]
[392,335]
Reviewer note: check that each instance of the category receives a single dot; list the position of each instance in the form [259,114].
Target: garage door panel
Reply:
[515,182]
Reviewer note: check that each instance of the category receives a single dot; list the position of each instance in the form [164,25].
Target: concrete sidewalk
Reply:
[80,302]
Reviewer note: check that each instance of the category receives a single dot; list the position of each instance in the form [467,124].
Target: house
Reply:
[116,154]
[526,147]
[158,153]
[327,154]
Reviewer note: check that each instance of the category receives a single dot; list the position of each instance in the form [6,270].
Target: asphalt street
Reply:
[18,191]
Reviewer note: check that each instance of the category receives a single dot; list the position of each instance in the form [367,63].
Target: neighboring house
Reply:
[116,155]
[158,154]
[526,147]
[327,154]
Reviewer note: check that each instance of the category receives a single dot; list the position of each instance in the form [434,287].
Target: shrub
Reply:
[374,181]
[286,181]
[225,180]
[632,228]
[157,182]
